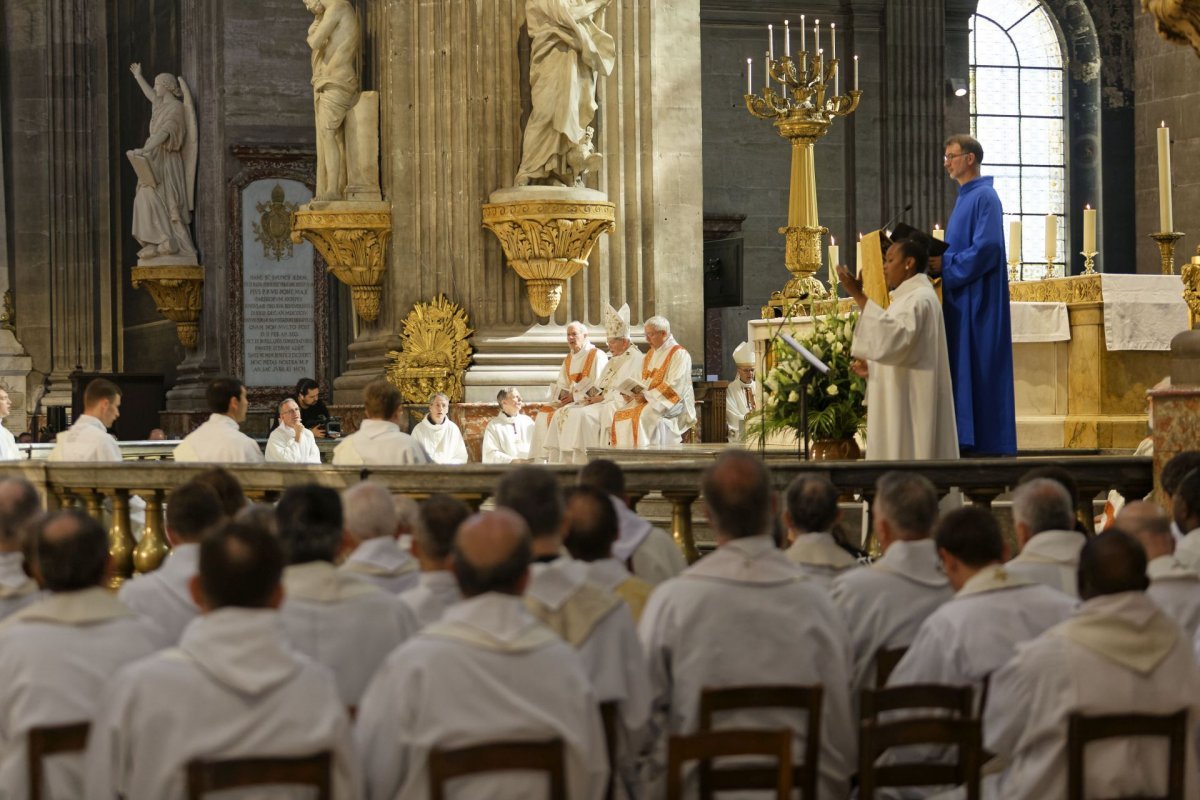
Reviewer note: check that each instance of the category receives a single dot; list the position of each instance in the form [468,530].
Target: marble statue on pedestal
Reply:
[166,170]
[335,40]
[568,53]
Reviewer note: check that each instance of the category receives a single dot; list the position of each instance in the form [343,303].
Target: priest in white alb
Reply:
[577,381]
[371,522]
[588,423]
[508,436]
[741,395]
[1044,521]
[810,513]
[19,505]
[662,408]
[438,434]
[433,546]
[1175,587]
[901,351]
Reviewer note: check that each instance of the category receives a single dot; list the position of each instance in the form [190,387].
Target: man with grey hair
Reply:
[577,381]
[663,408]
[1173,586]
[433,547]
[438,434]
[508,435]
[20,506]
[885,604]
[1044,519]
[370,522]
[291,442]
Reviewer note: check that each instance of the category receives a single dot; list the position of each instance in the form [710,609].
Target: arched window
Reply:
[1017,114]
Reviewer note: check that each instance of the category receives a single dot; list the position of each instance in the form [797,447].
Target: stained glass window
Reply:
[1017,87]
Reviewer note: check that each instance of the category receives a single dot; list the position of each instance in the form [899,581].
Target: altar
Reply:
[1085,351]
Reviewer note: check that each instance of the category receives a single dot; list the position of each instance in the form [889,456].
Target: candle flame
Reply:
[786,22]
[832,242]
[1162,124]
[1087,207]
[937,226]
[816,22]
[860,236]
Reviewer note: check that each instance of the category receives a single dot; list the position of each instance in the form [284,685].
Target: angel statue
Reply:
[569,52]
[166,172]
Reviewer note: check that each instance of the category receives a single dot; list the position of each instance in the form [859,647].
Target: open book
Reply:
[631,386]
[583,390]
[141,166]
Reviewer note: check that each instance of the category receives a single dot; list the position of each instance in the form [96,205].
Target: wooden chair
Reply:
[205,777]
[800,698]
[48,741]
[1081,730]
[608,716]
[955,727]
[886,661]
[707,745]
[545,756]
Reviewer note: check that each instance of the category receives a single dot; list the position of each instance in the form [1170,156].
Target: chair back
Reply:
[48,741]
[608,716]
[707,745]
[885,661]
[736,698]
[916,696]
[218,775]
[544,756]
[1081,730]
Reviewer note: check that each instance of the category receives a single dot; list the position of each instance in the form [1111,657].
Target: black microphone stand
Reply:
[762,409]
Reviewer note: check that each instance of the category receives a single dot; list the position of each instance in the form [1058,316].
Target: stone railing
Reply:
[104,490]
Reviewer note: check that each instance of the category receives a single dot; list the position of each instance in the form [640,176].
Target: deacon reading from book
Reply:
[901,351]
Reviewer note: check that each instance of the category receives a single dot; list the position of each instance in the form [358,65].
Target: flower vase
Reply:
[835,450]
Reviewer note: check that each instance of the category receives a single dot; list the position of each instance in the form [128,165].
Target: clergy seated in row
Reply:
[809,516]
[487,671]
[379,440]
[438,434]
[508,435]
[20,508]
[588,421]
[592,530]
[884,604]
[648,552]
[1118,653]
[219,441]
[576,382]
[165,595]
[291,442]
[662,407]
[741,395]
[433,547]
[1044,518]
[593,620]
[744,616]
[88,438]
[235,687]
[57,654]
[1185,509]
[1173,586]
[371,524]
[328,614]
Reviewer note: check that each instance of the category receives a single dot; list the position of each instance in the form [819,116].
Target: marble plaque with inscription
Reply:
[277,286]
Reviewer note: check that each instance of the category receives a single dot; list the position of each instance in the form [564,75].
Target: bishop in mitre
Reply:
[741,395]
[576,382]
[589,423]
[661,407]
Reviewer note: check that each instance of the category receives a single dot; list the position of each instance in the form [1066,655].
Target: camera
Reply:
[333,426]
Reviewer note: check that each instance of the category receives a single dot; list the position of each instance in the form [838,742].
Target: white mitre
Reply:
[616,323]
[743,355]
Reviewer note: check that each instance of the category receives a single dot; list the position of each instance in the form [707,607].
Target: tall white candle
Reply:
[1089,229]
[767,79]
[938,233]
[1014,241]
[771,42]
[858,253]
[1051,238]
[835,254]
[1166,213]
[787,38]
[803,35]
[856,73]
[749,76]
[816,34]
[833,40]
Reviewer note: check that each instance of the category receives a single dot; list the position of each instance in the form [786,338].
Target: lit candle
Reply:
[858,253]
[749,76]
[1166,215]
[1089,229]
[938,233]
[1051,238]
[835,254]
[856,73]
[833,40]
[767,80]
[821,65]
[803,35]
[787,38]
[1014,242]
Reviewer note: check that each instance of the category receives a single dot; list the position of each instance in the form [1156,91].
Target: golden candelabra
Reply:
[1049,269]
[1089,262]
[1014,270]
[803,112]
[1166,249]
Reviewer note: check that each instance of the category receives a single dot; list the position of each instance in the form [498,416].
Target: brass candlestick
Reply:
[1089,263]
[1014,270]
[803,113]
[1049,270]
[1166,249]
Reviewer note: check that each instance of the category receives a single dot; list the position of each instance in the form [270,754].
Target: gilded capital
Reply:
[353,239]
[177,292]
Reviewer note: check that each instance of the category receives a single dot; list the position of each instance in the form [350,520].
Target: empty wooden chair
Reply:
[800,698]
[218,775]
[707,745]
[48,741]
[1081,730]
[545,756]
[886,661]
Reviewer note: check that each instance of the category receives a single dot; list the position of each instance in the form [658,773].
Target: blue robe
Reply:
[978,328]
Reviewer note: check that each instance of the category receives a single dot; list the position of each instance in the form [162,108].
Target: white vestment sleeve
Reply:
[886,336]
[384,738]
[493,449]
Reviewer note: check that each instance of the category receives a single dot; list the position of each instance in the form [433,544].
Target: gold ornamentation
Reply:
[177,292]
[435,352]
[1014,271]
[8,317]
[1073,289]
[547,241]
[1177,21]
[1089,263]
[1191,289]
[152,548]
[353,243]
[1166,249]
[274,226]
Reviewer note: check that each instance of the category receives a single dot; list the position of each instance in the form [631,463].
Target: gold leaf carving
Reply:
[435,352]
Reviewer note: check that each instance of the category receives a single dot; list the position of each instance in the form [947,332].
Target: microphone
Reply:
[888,225]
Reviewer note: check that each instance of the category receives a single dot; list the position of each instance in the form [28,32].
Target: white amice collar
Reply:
[752,559]
[916,561]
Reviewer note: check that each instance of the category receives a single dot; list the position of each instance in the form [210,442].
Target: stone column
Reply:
[15,363]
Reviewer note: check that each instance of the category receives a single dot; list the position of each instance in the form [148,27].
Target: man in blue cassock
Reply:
[975,307]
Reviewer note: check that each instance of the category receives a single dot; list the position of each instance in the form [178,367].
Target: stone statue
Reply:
[1177,21]
[166,170]
[569,52]
[335,42]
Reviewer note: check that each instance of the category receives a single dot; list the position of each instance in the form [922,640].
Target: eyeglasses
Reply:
[952,156]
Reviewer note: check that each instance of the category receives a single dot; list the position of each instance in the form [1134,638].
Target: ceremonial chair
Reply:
[49,741]
[1082,730]
[886,661]
[218,775]
[800,698]
[608,716]
[544,756]
[707,745]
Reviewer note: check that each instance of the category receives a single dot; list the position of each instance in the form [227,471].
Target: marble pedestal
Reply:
[1176,426]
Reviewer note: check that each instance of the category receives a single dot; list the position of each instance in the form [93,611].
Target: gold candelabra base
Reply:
[1049,270]
[1166,249]
[1014,271]
[1089,263]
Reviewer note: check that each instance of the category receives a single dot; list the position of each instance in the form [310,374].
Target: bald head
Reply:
[737,494]
[1111,563]
[1150,525]
[491,553]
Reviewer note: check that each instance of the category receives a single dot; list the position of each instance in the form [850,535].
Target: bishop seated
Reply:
[660,407]
[576,383]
